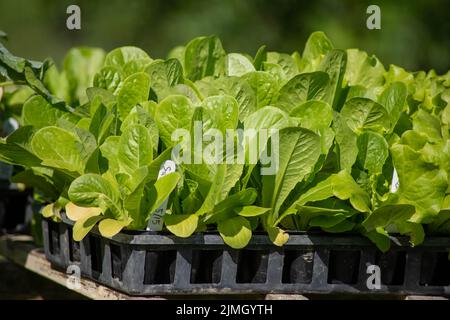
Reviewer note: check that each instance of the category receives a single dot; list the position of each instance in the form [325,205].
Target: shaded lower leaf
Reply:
[235,232]
[82,227]
[181,225]
[387,215]
[277,236]
[414,230]
[163,187]
[380,238]
[76,213]
[92,190]
[110,227]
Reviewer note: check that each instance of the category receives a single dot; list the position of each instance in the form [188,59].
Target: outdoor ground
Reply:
[18,283]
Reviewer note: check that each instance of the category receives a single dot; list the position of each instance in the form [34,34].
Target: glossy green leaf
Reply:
[164,74]
[236,87]
[204,56]
[286,63]
[174,112]
[347,142]
[238,65]
[138,115]
[317,46]
[37,112]
[92,190]
[387,215]
[301,88]
[120,56]
[135,148]
[363,70]
[264,85]
[421,184]
[393,99]
[163,188]
[334,64]
[109,151]
[313,115]
[299,150]
[373,151]
[220,113]
[80,66]
[251,211]
[365,114]
[226,208]
[59,148]
[345,187]
[16,148]
[108,78]
[135,89]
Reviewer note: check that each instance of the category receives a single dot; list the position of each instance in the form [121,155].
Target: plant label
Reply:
[395,182]
[156,220]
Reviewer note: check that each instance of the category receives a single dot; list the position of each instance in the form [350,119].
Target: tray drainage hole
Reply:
[160,267]
[96,255]
[252,266]
[74,248]
[206,266]
[298,266]
[116,261]
[392,267]
[435,269]
[343,266]
[54,244]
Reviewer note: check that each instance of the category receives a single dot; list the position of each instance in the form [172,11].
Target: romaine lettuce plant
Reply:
[358,148]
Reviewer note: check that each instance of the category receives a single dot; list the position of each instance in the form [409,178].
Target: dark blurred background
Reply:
[414,34]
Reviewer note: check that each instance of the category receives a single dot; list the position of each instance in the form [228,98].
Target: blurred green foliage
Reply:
[414,34]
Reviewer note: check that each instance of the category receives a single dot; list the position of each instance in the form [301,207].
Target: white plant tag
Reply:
[395,182]
[9,126]
[156,220]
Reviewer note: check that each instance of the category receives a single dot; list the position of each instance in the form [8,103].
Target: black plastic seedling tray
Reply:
[146,263]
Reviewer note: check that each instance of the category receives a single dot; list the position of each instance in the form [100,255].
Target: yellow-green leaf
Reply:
[277,236]
[236,232]
[76,213]
[251,211]
[82,227]
[181,225]
[48,210]
[110,227]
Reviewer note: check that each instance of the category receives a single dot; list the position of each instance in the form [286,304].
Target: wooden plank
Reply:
[424,298]
[285,297]
[21,250]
